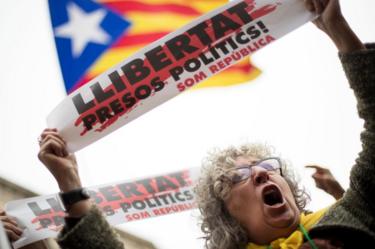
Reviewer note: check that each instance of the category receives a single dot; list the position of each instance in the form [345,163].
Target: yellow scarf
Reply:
[295,240]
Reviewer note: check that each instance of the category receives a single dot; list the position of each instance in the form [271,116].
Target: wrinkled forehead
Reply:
[225,166]
[245,160]
[224,172]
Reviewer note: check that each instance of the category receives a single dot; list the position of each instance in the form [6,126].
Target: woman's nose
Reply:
[259,175]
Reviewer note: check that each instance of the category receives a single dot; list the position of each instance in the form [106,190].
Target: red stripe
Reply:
[129,6]
[247,68]
[140,39]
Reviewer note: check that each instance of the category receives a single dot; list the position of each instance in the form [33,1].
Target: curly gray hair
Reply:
[221,230]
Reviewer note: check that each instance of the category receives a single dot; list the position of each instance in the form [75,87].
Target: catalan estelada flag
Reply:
[92,36]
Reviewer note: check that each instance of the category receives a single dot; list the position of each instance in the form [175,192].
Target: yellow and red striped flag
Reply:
[122,27]
[151,20]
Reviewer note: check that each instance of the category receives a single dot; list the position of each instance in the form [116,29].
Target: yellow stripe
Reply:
[205,6]
[156,22]
[111,58]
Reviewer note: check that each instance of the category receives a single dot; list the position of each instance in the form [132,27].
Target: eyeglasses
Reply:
[271,164]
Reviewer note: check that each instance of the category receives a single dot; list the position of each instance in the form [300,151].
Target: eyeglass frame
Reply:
[257,163]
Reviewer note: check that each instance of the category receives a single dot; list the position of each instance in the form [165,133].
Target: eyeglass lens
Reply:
[242,173]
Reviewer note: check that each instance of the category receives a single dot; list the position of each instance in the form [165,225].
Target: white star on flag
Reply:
[82,28]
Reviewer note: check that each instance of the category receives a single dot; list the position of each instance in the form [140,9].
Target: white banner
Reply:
[43,216]
[169,66]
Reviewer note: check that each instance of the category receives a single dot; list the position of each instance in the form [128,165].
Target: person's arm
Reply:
[85,225]
[326,181]
[358,61]
[10,226]
[63,166]
[353,215]
[14,232]
[332,22]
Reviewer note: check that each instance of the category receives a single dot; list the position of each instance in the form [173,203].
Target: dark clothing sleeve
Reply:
[354,215]
[360,70]
[90,232]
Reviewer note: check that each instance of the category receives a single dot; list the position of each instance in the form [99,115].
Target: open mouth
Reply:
[272,196]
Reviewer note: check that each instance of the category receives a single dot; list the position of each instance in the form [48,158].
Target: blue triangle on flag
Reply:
[83,31]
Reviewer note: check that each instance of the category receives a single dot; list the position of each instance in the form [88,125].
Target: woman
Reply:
[248,198]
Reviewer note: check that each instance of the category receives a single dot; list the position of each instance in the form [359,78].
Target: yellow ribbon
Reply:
[295,240]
